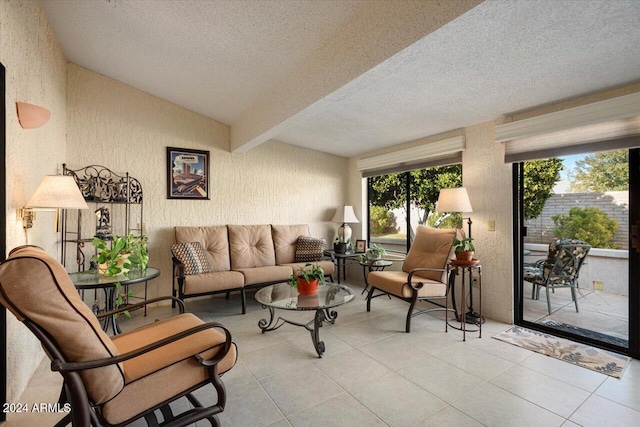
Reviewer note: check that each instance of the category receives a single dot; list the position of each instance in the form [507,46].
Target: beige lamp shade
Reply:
[57,191]
[345,214]
[32,116]
[454,200]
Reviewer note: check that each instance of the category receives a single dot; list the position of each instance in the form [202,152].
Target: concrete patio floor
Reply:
[598,311]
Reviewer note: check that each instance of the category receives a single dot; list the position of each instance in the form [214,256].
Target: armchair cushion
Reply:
[431,248]
[309,249]
[51,301]
[395,282]
[169,370]
[192,256]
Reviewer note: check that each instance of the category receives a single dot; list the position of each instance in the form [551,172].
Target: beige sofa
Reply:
[240,257]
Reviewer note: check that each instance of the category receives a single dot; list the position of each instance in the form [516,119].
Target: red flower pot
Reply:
[307,288]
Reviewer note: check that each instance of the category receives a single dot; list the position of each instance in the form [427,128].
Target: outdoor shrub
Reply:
[382,221]
[590,225]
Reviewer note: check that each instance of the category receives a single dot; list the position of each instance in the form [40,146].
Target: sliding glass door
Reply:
[585,203]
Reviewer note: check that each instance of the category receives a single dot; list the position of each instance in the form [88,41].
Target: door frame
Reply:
[519,232]
[3,237]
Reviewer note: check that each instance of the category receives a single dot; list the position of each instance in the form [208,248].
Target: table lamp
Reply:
[345,214]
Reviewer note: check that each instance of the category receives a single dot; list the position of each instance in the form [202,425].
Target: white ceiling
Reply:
[219,57]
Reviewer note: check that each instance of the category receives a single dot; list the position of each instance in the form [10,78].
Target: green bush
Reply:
[590,225]
[382,221]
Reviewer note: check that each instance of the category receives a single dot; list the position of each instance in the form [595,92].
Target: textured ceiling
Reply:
[219,58]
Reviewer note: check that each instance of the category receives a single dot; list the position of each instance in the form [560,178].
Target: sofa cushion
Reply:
[274,273]
[212,282]
[285,241]
[431,248]
[37,287]
[309,249]
[327,266]
[251,246]
[213,239]
[192,256]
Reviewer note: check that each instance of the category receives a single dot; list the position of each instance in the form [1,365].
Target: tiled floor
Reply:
[374,374]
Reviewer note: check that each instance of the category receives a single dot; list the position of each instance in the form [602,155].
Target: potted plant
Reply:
[121,255]
[124,253]
[340,247]
[463,248]
[307,279]
[375,253]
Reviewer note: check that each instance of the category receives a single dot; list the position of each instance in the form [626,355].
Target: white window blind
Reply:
[604,125]
[446,151]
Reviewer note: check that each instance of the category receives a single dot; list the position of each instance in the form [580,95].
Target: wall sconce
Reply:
[54,192]
[32,116]
[344,214]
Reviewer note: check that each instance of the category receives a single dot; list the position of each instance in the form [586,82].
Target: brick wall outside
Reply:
[614,203]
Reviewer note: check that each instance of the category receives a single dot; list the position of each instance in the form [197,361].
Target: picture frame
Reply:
[361,246]
[187,174]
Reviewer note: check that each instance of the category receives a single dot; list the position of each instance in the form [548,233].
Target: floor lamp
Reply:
[456,200]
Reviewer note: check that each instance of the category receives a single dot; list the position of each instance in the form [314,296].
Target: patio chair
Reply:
[116,380]
[424,275]
[560,269]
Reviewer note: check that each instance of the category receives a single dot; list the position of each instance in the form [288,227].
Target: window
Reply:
[399,202]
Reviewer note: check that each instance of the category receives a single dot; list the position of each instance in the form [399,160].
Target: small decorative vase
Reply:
[464,256]
[307,288]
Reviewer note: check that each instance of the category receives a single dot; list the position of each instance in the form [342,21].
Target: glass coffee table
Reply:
[284,297]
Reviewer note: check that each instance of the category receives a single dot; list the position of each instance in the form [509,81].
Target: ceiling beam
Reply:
[377,33]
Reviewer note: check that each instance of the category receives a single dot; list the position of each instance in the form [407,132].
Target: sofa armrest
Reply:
[178,268]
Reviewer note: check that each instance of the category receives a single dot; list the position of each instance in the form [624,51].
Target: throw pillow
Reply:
[192,256]
[309,249]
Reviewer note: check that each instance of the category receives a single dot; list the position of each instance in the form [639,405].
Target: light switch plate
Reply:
[491,225]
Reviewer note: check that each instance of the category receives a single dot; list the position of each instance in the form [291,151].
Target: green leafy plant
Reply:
[462,245]
[590,225]
[375,252]
[118,257]
[308,272]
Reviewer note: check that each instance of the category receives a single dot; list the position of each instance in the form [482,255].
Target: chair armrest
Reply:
[141,304]
[419,285]
[60,366]
[178,266]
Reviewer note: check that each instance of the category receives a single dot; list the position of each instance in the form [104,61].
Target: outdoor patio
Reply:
[599,311]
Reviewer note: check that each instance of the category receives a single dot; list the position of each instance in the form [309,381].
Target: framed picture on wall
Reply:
[187,174]
[361,246]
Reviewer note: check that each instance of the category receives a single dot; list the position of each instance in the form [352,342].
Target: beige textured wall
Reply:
[35,73]
[114,125]
[488,182]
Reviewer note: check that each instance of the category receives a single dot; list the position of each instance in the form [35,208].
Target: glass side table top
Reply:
[92,279]
[376,264]
[285,297]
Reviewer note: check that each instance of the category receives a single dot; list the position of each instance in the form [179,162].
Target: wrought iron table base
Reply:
[322,315]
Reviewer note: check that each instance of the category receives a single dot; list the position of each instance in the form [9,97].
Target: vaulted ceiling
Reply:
[351,76]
